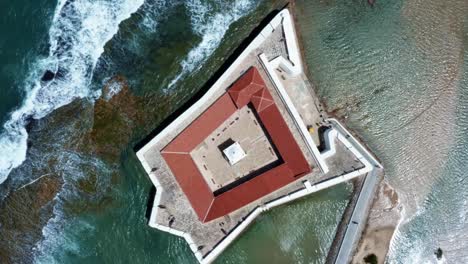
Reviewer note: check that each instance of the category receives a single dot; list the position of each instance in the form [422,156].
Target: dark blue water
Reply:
[24,27]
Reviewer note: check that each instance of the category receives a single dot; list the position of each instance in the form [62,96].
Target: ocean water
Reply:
[22,41]
[397,72]
[73,190]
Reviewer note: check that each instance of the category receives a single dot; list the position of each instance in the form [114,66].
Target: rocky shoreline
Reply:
[28,205]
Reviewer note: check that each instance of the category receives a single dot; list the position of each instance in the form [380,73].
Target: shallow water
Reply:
[397,72]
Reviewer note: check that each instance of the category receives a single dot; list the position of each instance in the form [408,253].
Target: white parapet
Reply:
[292,66]
[308,185]
[366,155]
[330,136]
[266,32]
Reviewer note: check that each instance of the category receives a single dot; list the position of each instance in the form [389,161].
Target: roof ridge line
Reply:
[209,208]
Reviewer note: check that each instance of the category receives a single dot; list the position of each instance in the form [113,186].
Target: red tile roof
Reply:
[250,88]
[201,127]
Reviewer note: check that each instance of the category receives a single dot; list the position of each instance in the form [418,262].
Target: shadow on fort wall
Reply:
[150,202]
[321,135]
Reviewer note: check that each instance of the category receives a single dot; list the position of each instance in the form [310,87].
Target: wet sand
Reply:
[383,219]
[375,241]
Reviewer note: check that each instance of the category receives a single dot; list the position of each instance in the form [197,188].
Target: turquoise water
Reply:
[396,71]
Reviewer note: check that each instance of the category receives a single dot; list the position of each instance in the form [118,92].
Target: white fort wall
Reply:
[292,66]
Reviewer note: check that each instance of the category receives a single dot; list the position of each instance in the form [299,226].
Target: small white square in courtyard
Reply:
[234,153]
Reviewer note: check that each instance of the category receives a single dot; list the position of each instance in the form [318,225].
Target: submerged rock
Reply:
[24,213]
[438,253]
[103,130]
[48,76]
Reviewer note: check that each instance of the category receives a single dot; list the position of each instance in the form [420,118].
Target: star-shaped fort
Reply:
[258,138]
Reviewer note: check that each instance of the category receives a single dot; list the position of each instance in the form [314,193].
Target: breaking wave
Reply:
[211,29]
[79,31]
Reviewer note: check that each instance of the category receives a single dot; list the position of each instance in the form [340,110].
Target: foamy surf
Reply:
[77,36]
[211,29]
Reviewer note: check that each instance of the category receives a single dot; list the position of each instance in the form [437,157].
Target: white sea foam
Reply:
[113,88]
[149,21]
[211,28]
[79,31]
